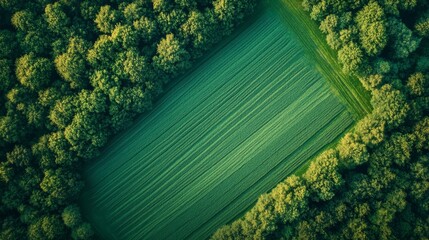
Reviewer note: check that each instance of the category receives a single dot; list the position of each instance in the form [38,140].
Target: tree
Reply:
[7,172]
[48,96]
[162,5]
[352,151]
[62,185]
[103,53]
[104,80]
[201,29]
[63,111]
[229,13]
[290,199]
[329,24]
[418,84]
[372,28]
[89,9]
[319,10]
[390,105]
[421,132]
[133,11]
[59,145]
[8,44]
[333,40]
[170,22]
[400,148]
[12,127]
[83,231]
[107,18]
[72,65]
[57,19]
[25,20]
[92,101]
[19,156]
[146,28]
[42,153]
[47,227]
[71,216]
[86,134]
[34,72]
[171,57]
[37,41]
[12,228]
[371,130]
[6,77]
[404,42]
[187,4]
[371,82]
[351,57]
[323,176]
[126,36]
[135,67]
[422,26]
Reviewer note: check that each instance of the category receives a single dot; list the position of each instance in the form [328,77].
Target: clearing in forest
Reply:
[231,129]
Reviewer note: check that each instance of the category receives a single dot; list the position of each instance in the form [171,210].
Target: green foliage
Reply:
[126,36]
[62,112]
[351,57]
[146,27]
[418,84]
[169,22]
[62,185]
[24,20]
[323,176]
[404,41]
[352,151]
[372,28]
[11,128]
[290,199]
[71,216]
[83,231]
[85,134]
[6,77]
[230,13]
[47,227]
[201,29]
[171,57]
[72,65]
[34,72]
[390,105]
[107,18]
[422,26]
[8,43]
[56,18]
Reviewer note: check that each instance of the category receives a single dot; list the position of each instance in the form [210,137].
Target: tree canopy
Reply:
[72,74]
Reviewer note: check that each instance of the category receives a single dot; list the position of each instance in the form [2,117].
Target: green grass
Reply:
[346,87]
[235,126]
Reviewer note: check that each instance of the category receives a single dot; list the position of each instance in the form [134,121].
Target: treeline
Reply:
[375,183]
[72,74]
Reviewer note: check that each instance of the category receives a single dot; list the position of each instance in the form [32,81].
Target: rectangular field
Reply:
[229,131]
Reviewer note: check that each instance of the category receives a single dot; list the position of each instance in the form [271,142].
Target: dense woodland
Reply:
[375,183]
[72,74]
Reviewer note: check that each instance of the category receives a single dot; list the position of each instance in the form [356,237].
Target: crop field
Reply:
[345,86]
[230,130]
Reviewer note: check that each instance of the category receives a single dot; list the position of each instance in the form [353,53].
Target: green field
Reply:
[235,126]
[346,87]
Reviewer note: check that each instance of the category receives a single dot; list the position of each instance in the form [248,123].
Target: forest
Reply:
[74,73]
[375,183]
